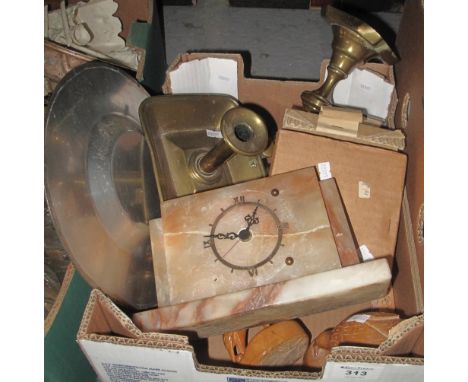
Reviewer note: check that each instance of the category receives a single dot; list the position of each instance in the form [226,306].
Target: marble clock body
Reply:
[242,236]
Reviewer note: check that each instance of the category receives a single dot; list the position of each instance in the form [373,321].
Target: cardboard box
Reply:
[117,349]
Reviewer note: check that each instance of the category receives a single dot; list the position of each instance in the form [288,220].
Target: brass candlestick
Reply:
[354,42]
[244,133]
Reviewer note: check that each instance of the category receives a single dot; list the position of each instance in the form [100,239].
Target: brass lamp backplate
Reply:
[182,128]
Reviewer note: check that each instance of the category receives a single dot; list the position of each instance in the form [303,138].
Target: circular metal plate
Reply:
[99,182]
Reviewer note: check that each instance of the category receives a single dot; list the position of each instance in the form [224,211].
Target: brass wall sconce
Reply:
[354,42]
[181,131]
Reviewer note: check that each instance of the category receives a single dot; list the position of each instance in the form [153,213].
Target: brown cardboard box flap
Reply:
[409,116]
[362,354]
[403,337]
[94,318]
[103,319]
[273,97]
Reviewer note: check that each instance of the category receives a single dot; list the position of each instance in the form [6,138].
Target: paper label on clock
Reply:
[365,253]
[364,190]
[324,169]
[214,133]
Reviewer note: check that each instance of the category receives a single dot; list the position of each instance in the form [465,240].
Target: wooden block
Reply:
[343,114]
[281,301]
[341,120]
[335,130]
[339,223]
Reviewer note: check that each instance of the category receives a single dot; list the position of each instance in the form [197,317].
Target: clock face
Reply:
[245,235]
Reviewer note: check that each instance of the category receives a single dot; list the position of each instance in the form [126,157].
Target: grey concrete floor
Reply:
[283,43]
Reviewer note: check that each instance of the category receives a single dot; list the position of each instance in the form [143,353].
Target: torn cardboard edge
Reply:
[188,57]
[363,354]
[103,320]
[99,302]
[77,25]
[207,76]
[403,337]
[59,299]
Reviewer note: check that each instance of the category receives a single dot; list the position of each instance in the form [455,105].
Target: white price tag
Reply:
[359,318]
[352,372]
[324,170]
[214,133]
[364,190]
[365,253]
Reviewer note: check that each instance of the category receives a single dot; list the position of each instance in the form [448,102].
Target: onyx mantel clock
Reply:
[242,236]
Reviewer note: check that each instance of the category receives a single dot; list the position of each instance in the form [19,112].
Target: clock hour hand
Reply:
[251,219]
[221,236]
